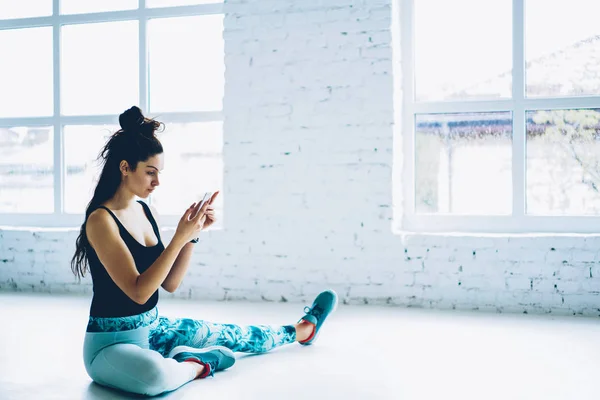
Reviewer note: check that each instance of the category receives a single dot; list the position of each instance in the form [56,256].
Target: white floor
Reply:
[363,352]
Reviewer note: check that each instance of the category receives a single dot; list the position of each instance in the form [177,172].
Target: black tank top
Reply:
[110,301]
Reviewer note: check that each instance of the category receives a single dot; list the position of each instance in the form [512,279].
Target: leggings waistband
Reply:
[118,324]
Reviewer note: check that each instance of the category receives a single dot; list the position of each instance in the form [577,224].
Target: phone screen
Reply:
[206,198]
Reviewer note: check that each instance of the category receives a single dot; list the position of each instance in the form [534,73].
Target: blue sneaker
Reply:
[214,358]
[325,303]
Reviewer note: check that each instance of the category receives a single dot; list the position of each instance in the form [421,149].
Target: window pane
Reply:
[88,6]
[563,163]
[171,3]
[26,94]
[463,163]
[193,166]
[186,63]
[82,146]
[26,170]
[10,9]
[562,44]
[463,49]
[99,68]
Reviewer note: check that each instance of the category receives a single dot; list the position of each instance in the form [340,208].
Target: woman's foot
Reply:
[309,325]
[304,330]
[214,358]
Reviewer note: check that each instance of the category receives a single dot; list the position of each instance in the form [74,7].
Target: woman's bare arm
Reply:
[181,264]
[103,234]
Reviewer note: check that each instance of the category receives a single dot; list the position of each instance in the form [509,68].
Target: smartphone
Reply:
[206,198]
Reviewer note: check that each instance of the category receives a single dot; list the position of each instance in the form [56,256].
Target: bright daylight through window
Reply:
[70,68]
[501,115]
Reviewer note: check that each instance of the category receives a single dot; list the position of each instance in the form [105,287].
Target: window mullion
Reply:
[464,106]
[143,62]
[143,57]
[518,92]
[57,128]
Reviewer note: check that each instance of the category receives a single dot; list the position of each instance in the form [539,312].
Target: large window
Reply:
[70,67]
[500,115]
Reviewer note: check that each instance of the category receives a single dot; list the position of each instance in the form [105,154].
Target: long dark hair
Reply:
[136,141]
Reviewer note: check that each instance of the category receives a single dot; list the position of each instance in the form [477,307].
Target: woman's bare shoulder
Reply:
[100,224]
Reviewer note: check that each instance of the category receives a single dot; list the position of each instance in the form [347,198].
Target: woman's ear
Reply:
[124,167]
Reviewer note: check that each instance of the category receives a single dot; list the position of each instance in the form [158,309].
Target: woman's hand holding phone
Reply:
[198,216]
[209,213]
[198,206]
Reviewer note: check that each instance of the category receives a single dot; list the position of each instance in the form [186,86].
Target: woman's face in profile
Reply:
[145,179]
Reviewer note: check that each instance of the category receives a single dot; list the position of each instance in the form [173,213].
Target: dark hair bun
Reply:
[131,120]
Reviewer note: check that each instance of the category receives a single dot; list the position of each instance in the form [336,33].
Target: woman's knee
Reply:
[127,368]
[149,381]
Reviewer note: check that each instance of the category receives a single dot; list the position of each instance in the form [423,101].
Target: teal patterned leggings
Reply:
[170,333]
[129,353]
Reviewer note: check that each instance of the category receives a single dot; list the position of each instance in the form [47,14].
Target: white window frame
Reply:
[519,221]
[59,218]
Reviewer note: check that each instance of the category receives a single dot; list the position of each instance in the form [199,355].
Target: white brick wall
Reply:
[308,196]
